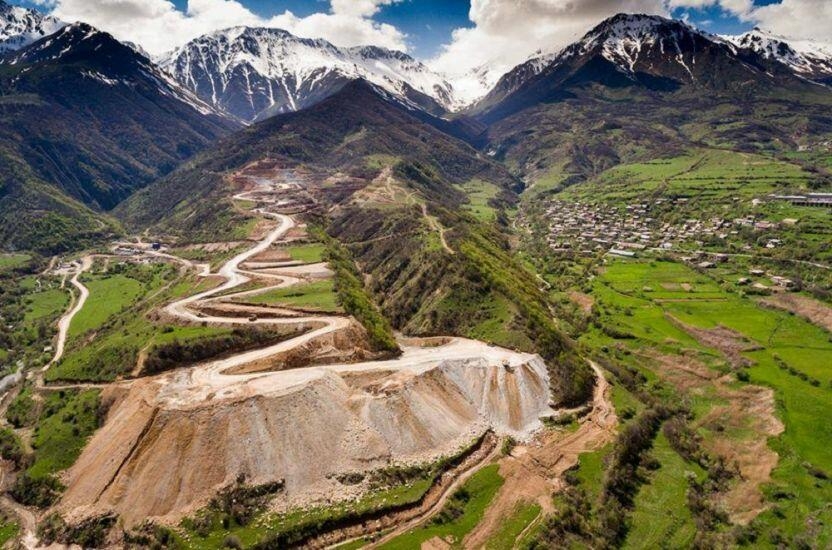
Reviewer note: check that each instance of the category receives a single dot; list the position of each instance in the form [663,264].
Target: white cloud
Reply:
[159,27]
[794,18]
[506,32]
[797,19]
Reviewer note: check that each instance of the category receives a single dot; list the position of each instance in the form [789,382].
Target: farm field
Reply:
[701,176]
[460,515]
[109,294]
[318,295]
[307,253]
[479,194]
[767,349]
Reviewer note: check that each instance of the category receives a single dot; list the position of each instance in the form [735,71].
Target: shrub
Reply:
[41,492]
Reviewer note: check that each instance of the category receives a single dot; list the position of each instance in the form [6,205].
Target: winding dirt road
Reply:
[215,380]
[76,306]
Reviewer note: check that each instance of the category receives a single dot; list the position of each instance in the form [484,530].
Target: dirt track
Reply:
[534,472]
[75,307]
[302,424]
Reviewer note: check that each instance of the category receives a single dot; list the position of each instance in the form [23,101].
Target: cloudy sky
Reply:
[454,35]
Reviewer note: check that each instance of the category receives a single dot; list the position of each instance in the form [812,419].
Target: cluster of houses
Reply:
[587,228]
[127,250]
[776,280]
[625,230]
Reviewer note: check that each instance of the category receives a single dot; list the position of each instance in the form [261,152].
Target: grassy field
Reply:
[462,513]
[318,295]
[46,304]
[307,253]
[109,294]
[499,327]
[10,261]
[479,194]
[126,331]
[661,517]
[8,531]
[60,435]
[791,357]
[513,526]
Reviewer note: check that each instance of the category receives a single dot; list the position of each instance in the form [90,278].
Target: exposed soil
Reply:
[584,301]
[738,430]
[533,471]
[272,255]
[200,428]
[215,247]
[815,311]
[729,342]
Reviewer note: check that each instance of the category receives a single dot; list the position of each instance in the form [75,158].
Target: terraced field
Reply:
[663,334]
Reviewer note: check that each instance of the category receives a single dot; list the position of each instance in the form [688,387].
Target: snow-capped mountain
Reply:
[648,52]
[20,27]
[475,83]
[633,41]
[106,122]
[807,58]
[101,57]
[254,73]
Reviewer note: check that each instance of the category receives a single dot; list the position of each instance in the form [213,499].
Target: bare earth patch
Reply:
[584,301]
[815,311]
[739,429]
[216,247]
[729,342]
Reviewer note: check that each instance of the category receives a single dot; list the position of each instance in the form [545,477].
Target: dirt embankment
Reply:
[349,345]
[533,471]
[301,433]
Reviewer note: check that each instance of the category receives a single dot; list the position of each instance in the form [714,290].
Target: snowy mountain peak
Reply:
[807,58]
[625,39]
[258,72]
[95,55]
[20,27]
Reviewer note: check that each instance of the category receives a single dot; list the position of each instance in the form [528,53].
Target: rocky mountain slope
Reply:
[445,272]
[627,50]
[308,436]
[640,86]
[806,58]
[85,121]
[20,27]
[361,115]
[254,73]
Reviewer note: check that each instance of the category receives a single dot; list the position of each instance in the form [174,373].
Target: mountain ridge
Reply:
[650,51]
[255,72]
[20,26]
[86,121]
[806,58]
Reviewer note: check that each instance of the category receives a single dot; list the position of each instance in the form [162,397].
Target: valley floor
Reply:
[352,415]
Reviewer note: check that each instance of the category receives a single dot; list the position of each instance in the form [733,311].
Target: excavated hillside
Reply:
[165,451]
